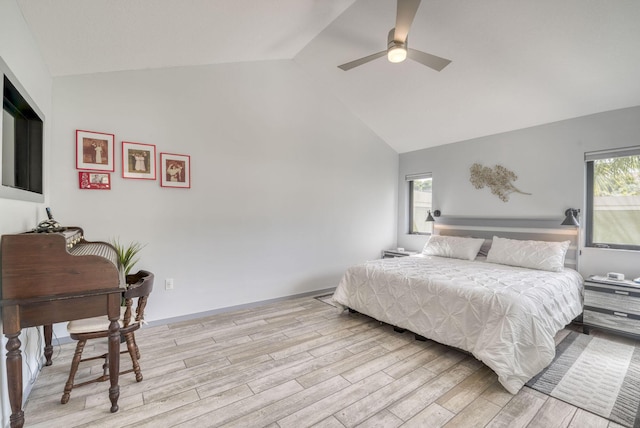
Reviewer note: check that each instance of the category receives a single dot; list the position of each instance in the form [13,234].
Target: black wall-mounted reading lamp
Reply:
[571,217]
[430,217]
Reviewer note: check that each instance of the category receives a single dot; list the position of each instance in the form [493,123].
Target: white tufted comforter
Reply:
[505,316]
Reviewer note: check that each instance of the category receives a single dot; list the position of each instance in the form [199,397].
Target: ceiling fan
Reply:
[397,49]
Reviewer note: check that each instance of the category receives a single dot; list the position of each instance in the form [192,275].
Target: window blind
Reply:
[420,176]
[612,153]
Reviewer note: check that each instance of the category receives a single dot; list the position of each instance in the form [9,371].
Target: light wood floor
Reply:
[295,363]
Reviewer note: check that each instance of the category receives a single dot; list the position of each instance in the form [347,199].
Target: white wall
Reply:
[20,53]
[288,187]
[549,162]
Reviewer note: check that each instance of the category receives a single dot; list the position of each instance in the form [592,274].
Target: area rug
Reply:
[326,299]
[597,375]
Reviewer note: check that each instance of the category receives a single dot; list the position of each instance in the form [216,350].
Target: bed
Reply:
[505,314]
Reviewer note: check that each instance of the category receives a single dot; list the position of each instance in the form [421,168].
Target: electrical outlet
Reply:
[168,284]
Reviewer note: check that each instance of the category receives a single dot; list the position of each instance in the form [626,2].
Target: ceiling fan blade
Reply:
[429,60]
[404,18]
[357,62]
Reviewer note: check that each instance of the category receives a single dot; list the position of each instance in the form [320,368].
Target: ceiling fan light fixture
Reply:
[397,54]
[397,42]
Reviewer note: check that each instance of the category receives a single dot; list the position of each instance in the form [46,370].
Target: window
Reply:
[613,199]
[419,202]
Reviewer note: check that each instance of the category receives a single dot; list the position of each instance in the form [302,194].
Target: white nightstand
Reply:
[391,254]
[612,305]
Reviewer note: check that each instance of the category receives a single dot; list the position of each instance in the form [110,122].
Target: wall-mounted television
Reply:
[22,154]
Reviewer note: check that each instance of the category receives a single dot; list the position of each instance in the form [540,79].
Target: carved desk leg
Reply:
[14,379]
[48,348]
[11,327]
[114,363]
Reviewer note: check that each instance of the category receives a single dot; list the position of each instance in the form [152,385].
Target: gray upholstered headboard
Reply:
[529,229]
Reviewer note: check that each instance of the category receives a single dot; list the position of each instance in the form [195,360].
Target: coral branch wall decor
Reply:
[499,179]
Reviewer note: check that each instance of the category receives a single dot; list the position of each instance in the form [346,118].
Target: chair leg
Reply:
[77,357]
[135,344]
[133,352]
[105,368]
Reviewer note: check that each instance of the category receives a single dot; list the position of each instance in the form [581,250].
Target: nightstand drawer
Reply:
[611,321]
[613,300]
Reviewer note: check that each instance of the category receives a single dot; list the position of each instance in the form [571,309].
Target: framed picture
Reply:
[94,180]
[175,170]
[138,161]
[94,150]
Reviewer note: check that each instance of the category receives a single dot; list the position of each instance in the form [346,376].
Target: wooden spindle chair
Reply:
[139,286]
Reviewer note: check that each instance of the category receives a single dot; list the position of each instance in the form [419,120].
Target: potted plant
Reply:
[127,254]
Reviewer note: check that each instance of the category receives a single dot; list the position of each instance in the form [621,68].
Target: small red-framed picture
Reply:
[94,151]
[94,180]
[138,160]
[175,170]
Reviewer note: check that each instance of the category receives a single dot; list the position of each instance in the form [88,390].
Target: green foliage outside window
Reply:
[421,190]
[616,202]
[617,176]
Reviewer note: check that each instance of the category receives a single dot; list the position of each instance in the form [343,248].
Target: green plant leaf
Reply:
[127,254]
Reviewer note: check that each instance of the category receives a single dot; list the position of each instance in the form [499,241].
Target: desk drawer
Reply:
[613,300]
[628,324]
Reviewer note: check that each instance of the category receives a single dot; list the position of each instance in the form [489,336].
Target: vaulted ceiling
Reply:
[515,63]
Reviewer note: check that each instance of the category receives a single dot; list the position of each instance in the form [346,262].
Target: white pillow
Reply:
[541,255]
[452,246]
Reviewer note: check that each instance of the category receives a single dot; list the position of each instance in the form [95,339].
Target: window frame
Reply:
[590,158]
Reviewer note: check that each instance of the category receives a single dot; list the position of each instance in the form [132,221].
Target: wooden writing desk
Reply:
[56,277]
